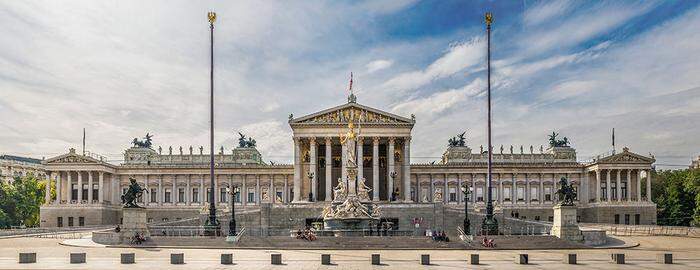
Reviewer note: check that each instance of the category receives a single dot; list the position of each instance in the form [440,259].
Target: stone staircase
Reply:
[367,242]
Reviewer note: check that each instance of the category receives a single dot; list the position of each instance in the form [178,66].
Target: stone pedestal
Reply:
[134,221]
[565,225]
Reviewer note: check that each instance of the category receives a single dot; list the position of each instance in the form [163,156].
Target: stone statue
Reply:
[376,211]
[221,150]
[437,196]
[363,190]
[181,150]
[243,143]
[146,143]
[532,150]
[541,149]
[265,196]
[201,150]
[457,141]
[566,193]
[132,194]
[481,149]
[160,150]
[340,192]
[328,212]
[170,150]
[511,149]
[190,150]
[501,149]
[553,142]
[291,116]
[521,149]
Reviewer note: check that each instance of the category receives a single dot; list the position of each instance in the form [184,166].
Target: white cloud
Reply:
[545,10]
[378,65]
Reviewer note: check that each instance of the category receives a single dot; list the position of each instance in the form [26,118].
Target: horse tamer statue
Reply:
[566,193]
[132,194]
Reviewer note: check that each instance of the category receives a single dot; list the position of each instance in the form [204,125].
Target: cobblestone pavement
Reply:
[51,255]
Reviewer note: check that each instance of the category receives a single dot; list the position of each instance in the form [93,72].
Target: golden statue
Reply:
[489,18]
[211,16]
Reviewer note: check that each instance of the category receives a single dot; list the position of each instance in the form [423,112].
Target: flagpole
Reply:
[212,225]
[490,225]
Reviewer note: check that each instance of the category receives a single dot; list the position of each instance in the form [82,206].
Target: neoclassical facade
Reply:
[611,189]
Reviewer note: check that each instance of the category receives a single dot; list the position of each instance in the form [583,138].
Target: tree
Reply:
[20,201]
[677,195]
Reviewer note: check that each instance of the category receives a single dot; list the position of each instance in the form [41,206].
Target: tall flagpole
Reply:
[212,225]
[490,224]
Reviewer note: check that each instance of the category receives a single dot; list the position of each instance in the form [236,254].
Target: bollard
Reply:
[618,258]
[276,259]
[77,258]
[128,258]
[522,259]
[665,258]
[570,258]
[227,258]
[425,259]
[326,259]
[474,259]
[177,258]
[27,258]
[376,260]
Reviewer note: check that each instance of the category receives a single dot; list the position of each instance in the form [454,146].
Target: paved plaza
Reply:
[52,255]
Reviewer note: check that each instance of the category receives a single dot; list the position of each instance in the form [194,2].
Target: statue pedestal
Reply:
[134,221]
[565,225]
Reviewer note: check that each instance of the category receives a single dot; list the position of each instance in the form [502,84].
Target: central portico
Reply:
[384,148]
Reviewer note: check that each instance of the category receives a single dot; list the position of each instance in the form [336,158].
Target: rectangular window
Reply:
[479,194]
[70,221]
[494,193]
[181,195]
[85,192]
[453,194]
[603,190]
[74,192]
[550,219]
[533,194]
[537,218]
[81,221]
[150,220]
[521,193]
[195,195]
[95,192]
[237,197]
[613,190]
[413,194]
[623,187]
[251,195]
[59,222]
[154,195]
[506,194]
[627,219]
[279,196]
[167,196]
[548,194]
[223,195]
[636,219]
[617,219]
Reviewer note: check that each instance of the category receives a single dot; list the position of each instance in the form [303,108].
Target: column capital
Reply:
[392,140]
[407,139]
[328,139]
[360,139]
[312,140]
[375,140]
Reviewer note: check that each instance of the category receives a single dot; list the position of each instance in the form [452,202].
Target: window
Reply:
[453,194]
[550,219]
[195,195]
[74,192]
[603,190]
[279,196]
[479,194]
[59,222]
[70,221]
[251,195]
[81,221]
[537,218]
[154,195]
[150,220]
[636,219]
[613,190]
[237,197]
[223,196]
[208,193]
[181,195]
[85,191]
[95,192]
[167,195]
[548,194]
[506,194]
[627,219]
[521,193]
[617,219]
[494,193]
[413,194]
[164,219]
[623,187]
[533,194]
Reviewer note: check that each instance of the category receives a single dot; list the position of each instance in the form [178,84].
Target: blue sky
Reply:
[124,68]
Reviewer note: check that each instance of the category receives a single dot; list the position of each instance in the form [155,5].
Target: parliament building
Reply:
[611,189]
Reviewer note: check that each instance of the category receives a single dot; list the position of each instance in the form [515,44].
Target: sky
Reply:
[121,69]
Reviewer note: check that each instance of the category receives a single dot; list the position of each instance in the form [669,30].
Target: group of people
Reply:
[440,236]
[307,234]
[138,239]
[488,243]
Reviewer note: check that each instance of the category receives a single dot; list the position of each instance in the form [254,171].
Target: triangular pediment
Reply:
[343,113]
[627,157]
[72,158]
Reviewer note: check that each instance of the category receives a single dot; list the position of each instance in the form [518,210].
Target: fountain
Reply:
[351,208]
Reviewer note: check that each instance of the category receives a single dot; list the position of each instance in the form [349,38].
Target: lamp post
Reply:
[232,223]
[393,193]
[466,190]
[310,175]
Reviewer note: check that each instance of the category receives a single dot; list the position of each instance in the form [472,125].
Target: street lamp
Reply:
[232,223]
[393,193]
[466,191]
[311,182]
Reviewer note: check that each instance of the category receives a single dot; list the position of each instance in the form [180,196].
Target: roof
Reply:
[22,159]
[340,115]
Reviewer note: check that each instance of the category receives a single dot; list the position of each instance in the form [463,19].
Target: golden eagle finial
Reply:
[212,17]
[489,18]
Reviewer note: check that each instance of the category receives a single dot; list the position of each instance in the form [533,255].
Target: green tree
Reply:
[20,201]
[677,196]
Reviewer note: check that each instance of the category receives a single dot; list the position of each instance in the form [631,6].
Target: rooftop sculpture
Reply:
[243,143]
[146,143]
[458,140]
[554,142]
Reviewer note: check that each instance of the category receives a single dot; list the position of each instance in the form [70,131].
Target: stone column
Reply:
[390,166]
[80,187]
[147,200]
[473,185]
[527,190]
[343,160]
[244,191]
[629,185]
[69,186]
[215,189]
[639,185]
[47,191]
[161,195]
[360,166]
[329,170]
[459,189]
[499,194]
[312,167]
[649,185]
[619,186]
[407,170]
[173,196]
[100,186]
[231,188]
[285,193]
[89,187]
[513,187]
[445,190]
[607,185]
[297,170]
[188,190]
[432,188]
[540,193]
[271,191]
[375,169]
[257,189]
[59,188]
[597,186]
[202,191]
[418,198]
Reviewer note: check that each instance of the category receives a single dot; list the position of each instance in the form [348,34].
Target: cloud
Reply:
[546,11]
[377,65]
